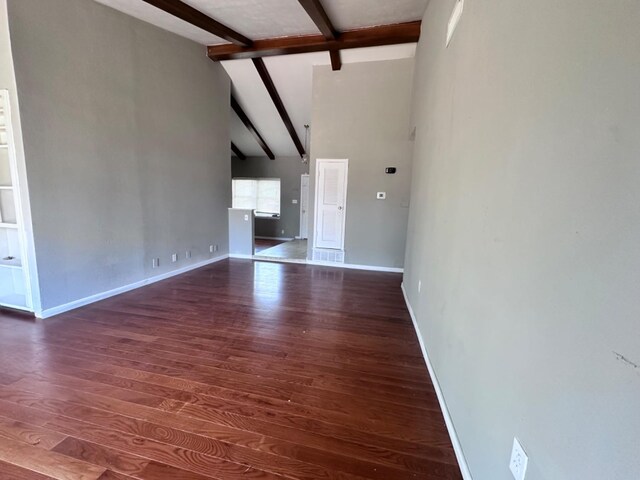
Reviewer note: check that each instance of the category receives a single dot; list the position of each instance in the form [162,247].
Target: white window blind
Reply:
[259,194]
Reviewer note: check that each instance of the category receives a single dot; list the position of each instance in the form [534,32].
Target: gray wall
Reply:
[126,131]
[288,170]
[525,231]
[362,113]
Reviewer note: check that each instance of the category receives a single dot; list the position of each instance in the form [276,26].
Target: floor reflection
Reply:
[267,283]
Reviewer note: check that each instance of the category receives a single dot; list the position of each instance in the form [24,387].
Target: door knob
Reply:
[339,208]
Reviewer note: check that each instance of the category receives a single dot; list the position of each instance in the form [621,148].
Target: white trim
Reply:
[284,239]
[457,447]
[29,261]
[25,256]
[240,255]
[302,177]
[352,266]
[50,312]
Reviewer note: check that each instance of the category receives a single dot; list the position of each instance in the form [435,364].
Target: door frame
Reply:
[302,204]
[316,210]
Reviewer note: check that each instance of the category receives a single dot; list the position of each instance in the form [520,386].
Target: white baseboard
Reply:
[457,447]
[352,266]
[284,239]
[50,312]
[240,255]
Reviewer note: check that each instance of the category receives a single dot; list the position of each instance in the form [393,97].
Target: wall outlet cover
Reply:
[210,248]
[294,201]
[381,195]
[519,461]
[174,257]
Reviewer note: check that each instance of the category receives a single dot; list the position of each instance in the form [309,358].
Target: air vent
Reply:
[328,255]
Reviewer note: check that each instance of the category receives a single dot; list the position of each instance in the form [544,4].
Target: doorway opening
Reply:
[287,249]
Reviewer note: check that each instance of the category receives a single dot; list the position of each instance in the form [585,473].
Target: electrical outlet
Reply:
[210,248]
[156,263]
[188,254]
[419,285]
[519,461]
[174,257]
[282,232]
[381,195]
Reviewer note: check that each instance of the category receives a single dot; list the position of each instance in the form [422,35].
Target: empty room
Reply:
[319,239]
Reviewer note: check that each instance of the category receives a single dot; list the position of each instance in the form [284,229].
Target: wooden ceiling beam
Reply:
[247,123]
[336,61]
[238,153]
[277,101]
[319,16]
[365,37]
[198,19]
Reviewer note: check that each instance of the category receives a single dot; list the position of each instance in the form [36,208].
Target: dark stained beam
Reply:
[277,101]
[238,153]
[319,16]
[336,61]
[247,123]
[365,37]
[197,18]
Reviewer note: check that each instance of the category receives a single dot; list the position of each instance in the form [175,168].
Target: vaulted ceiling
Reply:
[255,28]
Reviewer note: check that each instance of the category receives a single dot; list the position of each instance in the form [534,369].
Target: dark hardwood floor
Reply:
[242,369]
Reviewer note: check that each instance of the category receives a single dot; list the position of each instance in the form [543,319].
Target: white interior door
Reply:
[304,206]
[331,201]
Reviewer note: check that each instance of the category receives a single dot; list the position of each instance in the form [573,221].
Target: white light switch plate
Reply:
[519,461]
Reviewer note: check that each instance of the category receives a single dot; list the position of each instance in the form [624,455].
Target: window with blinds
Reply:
[259,194]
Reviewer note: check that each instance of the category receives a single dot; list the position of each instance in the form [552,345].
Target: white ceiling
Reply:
[351,14]
[258,19]
[291,74]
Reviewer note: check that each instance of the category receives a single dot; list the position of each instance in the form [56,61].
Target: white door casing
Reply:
[331,201]
[304,206]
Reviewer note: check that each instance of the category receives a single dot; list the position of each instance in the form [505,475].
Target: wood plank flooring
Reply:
[251,370]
